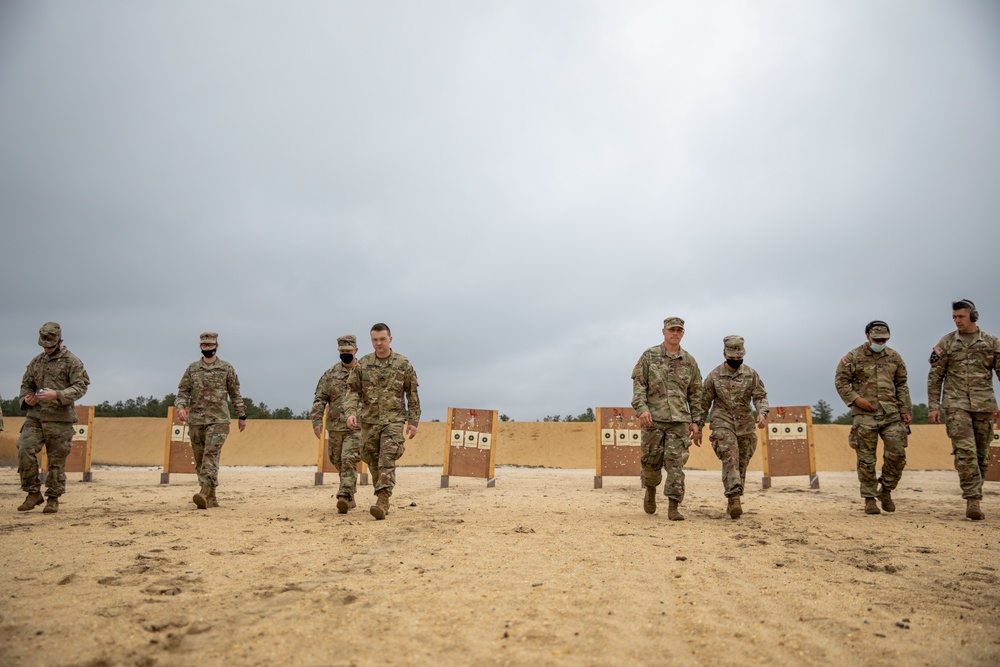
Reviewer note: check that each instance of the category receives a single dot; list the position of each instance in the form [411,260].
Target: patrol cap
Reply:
[673,322]
[877,329]
[879,332]
[733,347]
[347,343]
[50,334]
[209,338]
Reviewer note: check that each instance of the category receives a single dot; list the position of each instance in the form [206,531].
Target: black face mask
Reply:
[734,363]
[346,358]
[208,354]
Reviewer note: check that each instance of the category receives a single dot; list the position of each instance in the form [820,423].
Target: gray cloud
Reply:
[522,190]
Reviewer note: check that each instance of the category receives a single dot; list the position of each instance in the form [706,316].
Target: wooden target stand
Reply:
[83,445]
[619,444]
[470,447]
[993,472]
[788,447]
[323,464]
[178,457]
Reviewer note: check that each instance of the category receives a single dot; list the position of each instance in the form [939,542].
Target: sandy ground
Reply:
[541,570]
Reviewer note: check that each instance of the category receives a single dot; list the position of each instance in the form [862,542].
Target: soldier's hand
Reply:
[182,415]
[31,399]
[695,435]
[761,420]
[646,419]
[411,430]
[242,425]
[46,395]
[934,416]
[318,430]
[352,423]
[863,403]
[907,419]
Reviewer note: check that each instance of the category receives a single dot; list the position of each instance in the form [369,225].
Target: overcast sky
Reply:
[521,190]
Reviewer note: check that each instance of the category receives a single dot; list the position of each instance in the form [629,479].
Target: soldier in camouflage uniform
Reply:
[871,379]
[202,404]
[53,381]
[382,397]
[344,447]
[730,387]
[964,362]
[666,394]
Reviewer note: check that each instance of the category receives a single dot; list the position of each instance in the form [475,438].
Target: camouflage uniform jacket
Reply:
[331,390]
[879,378]
[203,390]
[377,388]
[667,386]
[731,392]
[61,371]
[966,371]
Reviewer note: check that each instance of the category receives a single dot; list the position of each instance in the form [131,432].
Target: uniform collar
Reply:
[726,370]
[975,336]
[392,355]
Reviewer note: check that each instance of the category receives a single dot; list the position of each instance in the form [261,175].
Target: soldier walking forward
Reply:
[53,381]
[666,394]
[382,399]
[343,445]
[201,403]
[871,379]
[962,367]
[728,390]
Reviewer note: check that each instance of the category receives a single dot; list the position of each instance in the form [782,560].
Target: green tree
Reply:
[920,414]
[11,407]
[845,419]
[505,418]
[822,412]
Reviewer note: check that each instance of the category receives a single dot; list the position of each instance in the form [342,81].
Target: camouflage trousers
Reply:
[864,440]
[665,445]
[971,434]
[57,438]
[381,445]
[207,441]
[735,452]
[344,450]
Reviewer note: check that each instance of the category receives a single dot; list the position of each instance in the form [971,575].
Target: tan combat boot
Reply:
[52,506]
[735,509]
[673,511]
[885,497]
[201,498]
[649,502]
[871,507]
[972,510]
[34,499]
[344,504]
[212,501]
[381,506]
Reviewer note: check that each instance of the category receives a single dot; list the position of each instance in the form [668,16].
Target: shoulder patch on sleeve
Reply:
[936,353]
[844,361]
